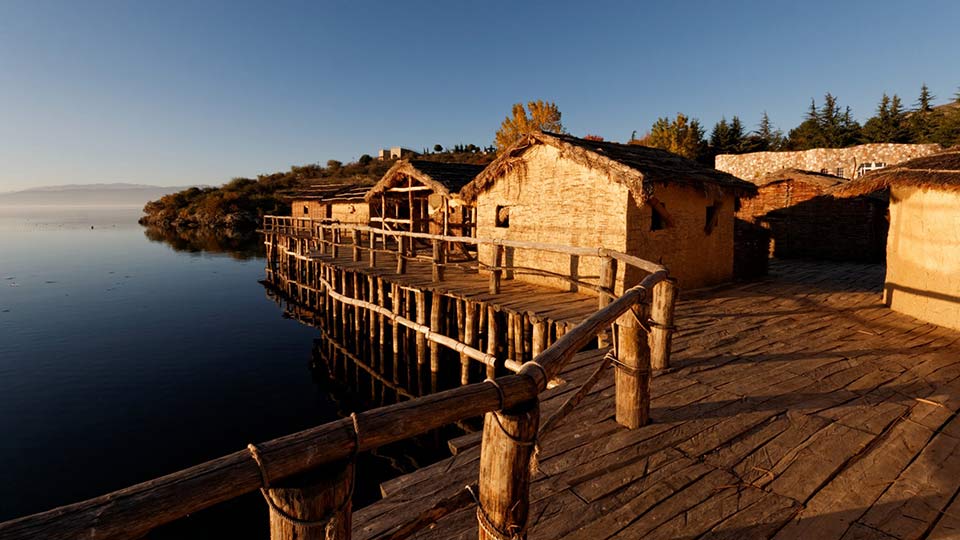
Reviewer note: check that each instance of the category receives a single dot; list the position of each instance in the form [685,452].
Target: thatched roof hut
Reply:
[804,222]
[334,202]
[423,196]
[923,244]
[555,188]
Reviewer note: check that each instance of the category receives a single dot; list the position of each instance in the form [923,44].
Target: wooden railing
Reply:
[307,477]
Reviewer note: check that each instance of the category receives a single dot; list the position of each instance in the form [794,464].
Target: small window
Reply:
[656,220]
[306,210]
[503,217]
[840,172]
[824,171]
[712,215]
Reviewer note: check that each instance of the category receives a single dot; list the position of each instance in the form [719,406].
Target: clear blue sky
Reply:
[179,92]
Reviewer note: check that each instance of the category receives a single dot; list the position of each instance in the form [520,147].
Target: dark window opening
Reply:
[656,220]
[711,215]
[503,216]
[306,210]
[737,205]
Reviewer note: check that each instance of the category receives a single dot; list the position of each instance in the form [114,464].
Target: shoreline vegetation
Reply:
[237,206]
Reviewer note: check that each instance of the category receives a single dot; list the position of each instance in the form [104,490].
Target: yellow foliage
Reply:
[543,116]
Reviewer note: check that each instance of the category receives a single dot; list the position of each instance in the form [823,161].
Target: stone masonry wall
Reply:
[754,166]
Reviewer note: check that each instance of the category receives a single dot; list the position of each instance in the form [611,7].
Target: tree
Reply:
[727,138]
[543,116]
[334,165]
[681,136]
[887,126]
[923,122]
[365,159]
[765,138]
[437,148]
[826,127]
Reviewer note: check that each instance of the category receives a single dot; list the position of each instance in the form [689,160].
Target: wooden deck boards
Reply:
[798,407]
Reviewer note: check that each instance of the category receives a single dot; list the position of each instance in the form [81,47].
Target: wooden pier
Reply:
[793,407]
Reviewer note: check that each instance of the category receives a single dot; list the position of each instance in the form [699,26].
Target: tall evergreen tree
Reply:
[925,101]
[924,119]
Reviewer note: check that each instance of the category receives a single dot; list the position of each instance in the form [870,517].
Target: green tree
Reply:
[365,159]
[727,138]
[922,124]
[538,116]
[437,148]
[334,165]
[681,136]
[826,127]
[765,138]
[888,125]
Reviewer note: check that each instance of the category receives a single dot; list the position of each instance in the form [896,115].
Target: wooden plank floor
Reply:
[799,407]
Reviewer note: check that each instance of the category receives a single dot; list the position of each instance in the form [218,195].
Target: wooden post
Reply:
[469,337]
[539,339]
[373,251]
[633,371]
[511,336]
[335,239]
[436,303]
[437,260]
[492,339]
[421,339]
[395,330]
[356,245]
[661,323]
[497,271]
[608,282]
[401,260]
[313,496]
[505,452]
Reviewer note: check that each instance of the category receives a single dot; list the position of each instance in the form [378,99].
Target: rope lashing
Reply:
[499,391]
[484,522]
[331,517]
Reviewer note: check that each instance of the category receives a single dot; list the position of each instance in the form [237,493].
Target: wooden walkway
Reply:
[799,407]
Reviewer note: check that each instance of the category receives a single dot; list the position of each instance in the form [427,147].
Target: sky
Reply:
[180,93]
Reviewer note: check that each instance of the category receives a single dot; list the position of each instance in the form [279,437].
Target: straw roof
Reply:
[936,171]
[334,193]
[821,180]
[637,167]
[443,178]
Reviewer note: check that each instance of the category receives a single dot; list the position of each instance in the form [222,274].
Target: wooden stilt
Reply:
[318,501]
[608,280]
[437,260]
[436,305]
[421,339]
[538,341]
[492,339]
[497,270]
[466,322]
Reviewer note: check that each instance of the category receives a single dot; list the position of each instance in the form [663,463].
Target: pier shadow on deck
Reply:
[798,407]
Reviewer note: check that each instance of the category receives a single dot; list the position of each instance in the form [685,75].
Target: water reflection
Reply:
[240,245]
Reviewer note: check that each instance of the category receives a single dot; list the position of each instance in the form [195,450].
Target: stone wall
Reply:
[754,166]
[923,255]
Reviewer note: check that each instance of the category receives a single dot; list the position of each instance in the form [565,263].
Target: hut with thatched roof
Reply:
[923,243]
[340,203]
[643,201]
[423,196]
[804,222]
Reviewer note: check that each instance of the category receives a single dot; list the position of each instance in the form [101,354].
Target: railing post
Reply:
[633,370]
[401,261]
[437,260]
[356,245]
[506,448]
[317,501]
[335,242]
[373,251]
[323,240]
[497,270]
[661,323]
[607,283]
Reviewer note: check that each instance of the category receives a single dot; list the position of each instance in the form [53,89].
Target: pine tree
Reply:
[925,101]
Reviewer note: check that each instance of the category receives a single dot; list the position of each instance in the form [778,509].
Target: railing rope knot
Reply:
[330,519]
[499,391]
[483,520]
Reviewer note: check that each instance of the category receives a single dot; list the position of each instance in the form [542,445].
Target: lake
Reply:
[126,354]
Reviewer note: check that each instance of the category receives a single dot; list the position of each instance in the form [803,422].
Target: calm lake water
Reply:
[125,356]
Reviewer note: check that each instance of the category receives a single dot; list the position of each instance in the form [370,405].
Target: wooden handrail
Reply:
[133,511]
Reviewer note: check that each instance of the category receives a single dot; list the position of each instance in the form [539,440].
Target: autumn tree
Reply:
[681,136]
[538,116]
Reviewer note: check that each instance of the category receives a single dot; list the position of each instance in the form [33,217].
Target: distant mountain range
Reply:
[116,194]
